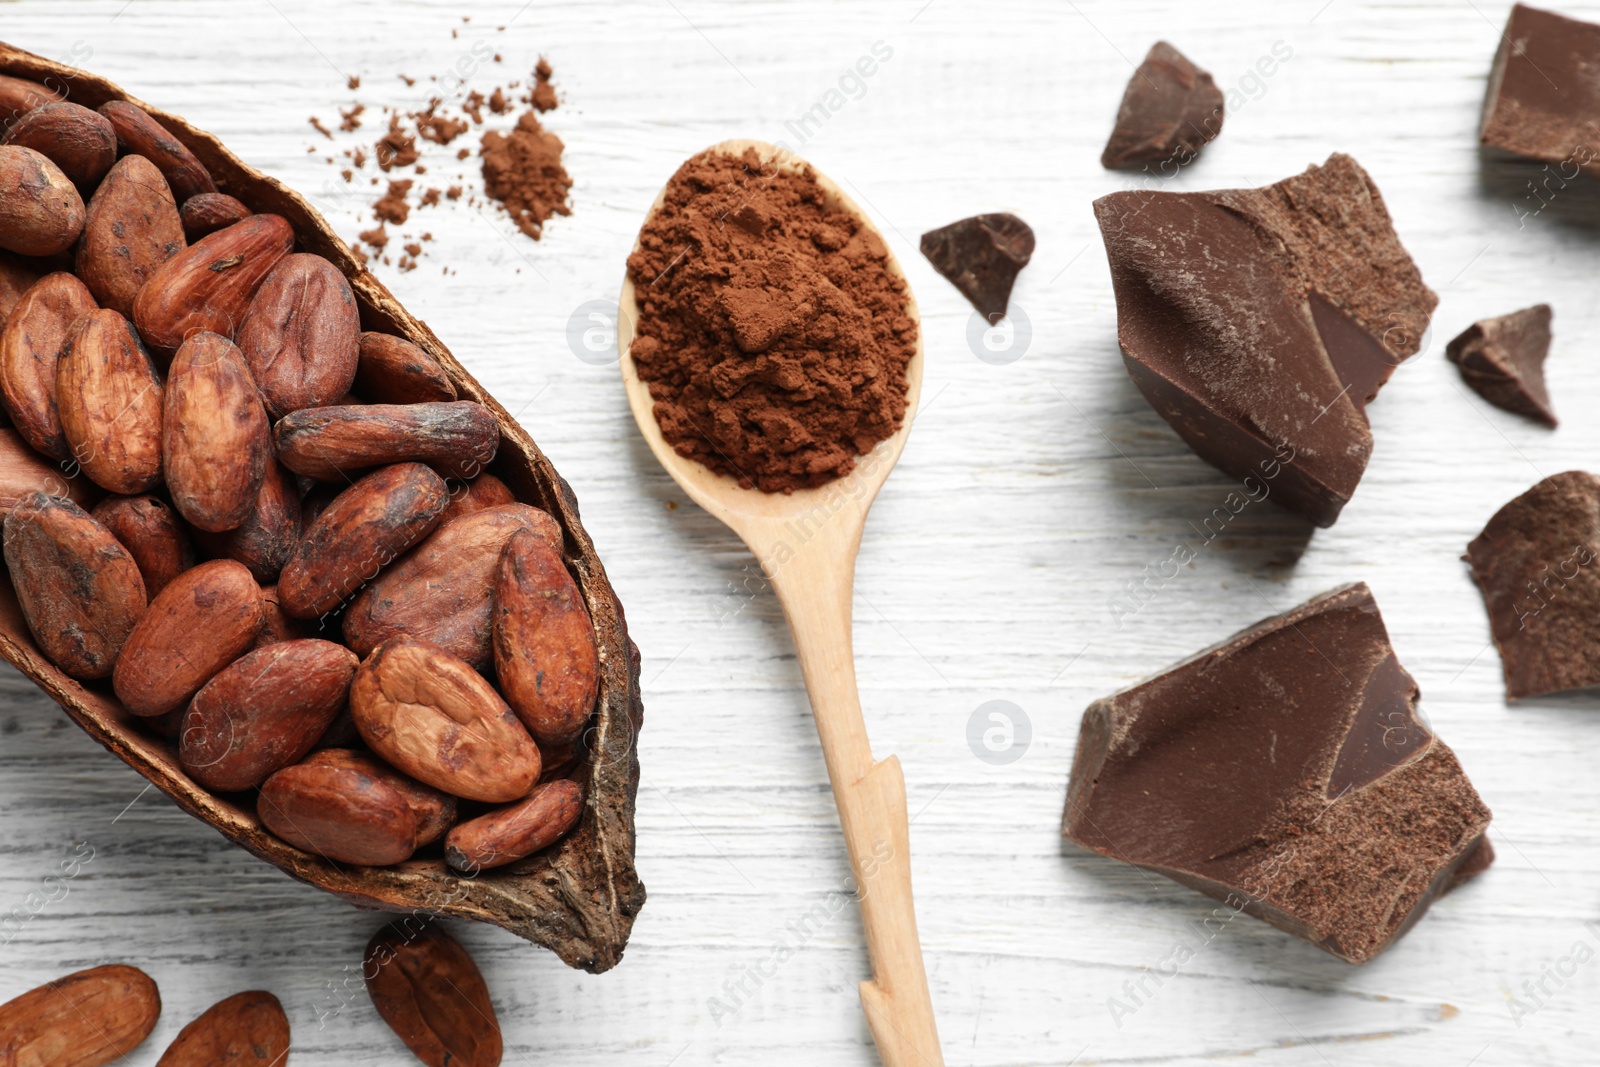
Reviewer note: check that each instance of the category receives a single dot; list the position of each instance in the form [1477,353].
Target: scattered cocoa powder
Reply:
[354,82]
[317,125]
[350,118]
[772,332]
[392,206]
[523,171]
[543,94]
[396,148]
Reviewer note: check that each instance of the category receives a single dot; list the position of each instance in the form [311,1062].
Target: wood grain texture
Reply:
[1029,494]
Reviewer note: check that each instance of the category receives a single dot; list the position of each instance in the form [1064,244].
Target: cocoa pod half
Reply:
[30,354]
[41,213]
[141,135]
[80,591]
[109,398]
[87,1019]
[263,712]
[132,229]
[518,831]
[208,285]
[268,536]
[79,141]
[430,992]
[246,1028]
[351,808]
[206,213]
[216,441]
[365,527]
[436,719]
[458,438]
[153,535]
[301,336]
[481,493]
[18,96]
[392,370]
[202,621]
[544,648]
[23,471]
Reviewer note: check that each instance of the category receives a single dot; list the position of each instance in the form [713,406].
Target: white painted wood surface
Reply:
[1029,494]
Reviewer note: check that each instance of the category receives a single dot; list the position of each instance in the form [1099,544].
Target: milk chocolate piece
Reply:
[1503,359]
[1285,772]
[1533,563]
[981,256]
[1261,322]
[1543,99]
[1170,109]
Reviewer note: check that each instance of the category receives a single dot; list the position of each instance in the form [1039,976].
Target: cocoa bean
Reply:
[217,442]
[30,354]
[87,1019]
[208,285]
[153,535]
[349,808]
[276,625]
[301,335]
[517,831]
[457,438]
[18,96]
[392,370]
[141,135]
[246,1028]
[17,275]
[481,493]
[109,398]
[41,213]
[22,471]
[544,647]
[206,213]
[132,229]
[426,987]
[269,534]
[79,141]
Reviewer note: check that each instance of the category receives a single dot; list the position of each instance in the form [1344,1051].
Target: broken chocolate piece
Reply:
[1170,109]
[1261,322]
[1543,98]
[1503,359]
[981,256]
[1533,563]
[1285,772]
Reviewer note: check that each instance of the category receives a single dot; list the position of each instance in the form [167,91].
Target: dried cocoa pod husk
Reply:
[79,141]
[392,370]
[246,1028]
[208,285]
[41,213]
[109,397]
[30,355]
[350,808]
[139,134]
[301,336]
[458,438]
[544,649]
[430,992]
[481,493]
[433,717]
[153,535]
[80,590]
[132,228]
[202,621]
[216,442]
[18,96]
[204,214]
[516,831]
[24,471]
[87,1019]
[268,536]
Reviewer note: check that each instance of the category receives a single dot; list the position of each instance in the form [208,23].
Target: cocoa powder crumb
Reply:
[430,197]
[354,81]
[392,206]
[350,118]
[395,148]
[377,237]
[347,174]
[317,125]
[498,102]
[408,80]
[543,94]
[473,106]
[523,171]
[359,157]
[413,249]
[453,193]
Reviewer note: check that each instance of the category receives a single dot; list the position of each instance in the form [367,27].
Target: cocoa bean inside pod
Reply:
[79,589]
[23,471]
[41,213]
[358,534]
[302,335]
[481,493]
[202,621]
[263,712]
[131,230]
[348,807]
[79,141]
[216,441]
[153,535]
[246,1028]
[432,716]
[442,590]
[426,986]
[30,355]
[87,1019]
[392,370]
[140,134]
[205,213]
[18,96]
[269,533]
[109,397]
[332,443]
[544,648]
[517,831]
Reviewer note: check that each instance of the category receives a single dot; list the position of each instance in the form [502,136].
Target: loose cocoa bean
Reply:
[263,712]
[301,335]
[436,719]
[87,1019]
[80,591]
[426,987]
[517,831]
[109,397]
[153,535]
[443,589]
[206,213]
[246,1028]
[22,471]
[41,212]
[217,442]
[208,285]
[79,141]
[331,443]
[269,534]
[481,493]
[202,621]
[17,276]
[141,135]
[544,647]
[30,354]
[392,370]
[350,808]
[18,96]
[132,229]
[365,527]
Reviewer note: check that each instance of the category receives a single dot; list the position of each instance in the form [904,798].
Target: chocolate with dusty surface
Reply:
[981,256]
[1170,109]
[1543,100]
[1503,359]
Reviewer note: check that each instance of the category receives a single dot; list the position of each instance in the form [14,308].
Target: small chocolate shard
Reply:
[1503,360]
[1543,97]
[1535,565]
[1285,771]
[1261,322]
[1169,111]
[982,257]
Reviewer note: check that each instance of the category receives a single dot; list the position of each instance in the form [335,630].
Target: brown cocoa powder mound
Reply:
[522,170]
[773,335]
[392,206]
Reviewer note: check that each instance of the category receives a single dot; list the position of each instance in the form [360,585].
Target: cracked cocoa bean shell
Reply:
[544,650]
[426,986]
[246,1028]
[141,135]
[205,213]
[268,536]
[301,335]
[458,438]
[79,141]
[392,370]
[30,355]
[216,441]
[516,831]
[110,398]
[351,808]
[41,213]
[87,1019]
[208,285]
[153,535]
[132,228]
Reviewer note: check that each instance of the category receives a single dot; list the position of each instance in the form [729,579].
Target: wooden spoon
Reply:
[806,543]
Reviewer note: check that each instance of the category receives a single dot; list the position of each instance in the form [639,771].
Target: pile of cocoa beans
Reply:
[270,532]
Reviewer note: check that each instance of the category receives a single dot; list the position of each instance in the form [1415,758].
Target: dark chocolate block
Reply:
[1260,322]
[982,257]
[1503,359]
[1170,109]
[1535,565]
[1543,99]
[1285,772]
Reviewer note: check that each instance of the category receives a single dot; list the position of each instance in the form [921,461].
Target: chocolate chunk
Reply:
[1532,563]
[1170,109]
[1503,359]
[981,256]
[1285,772]
[1261,322]
[1543,97]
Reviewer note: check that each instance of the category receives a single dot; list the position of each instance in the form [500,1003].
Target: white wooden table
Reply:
[1031,492]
